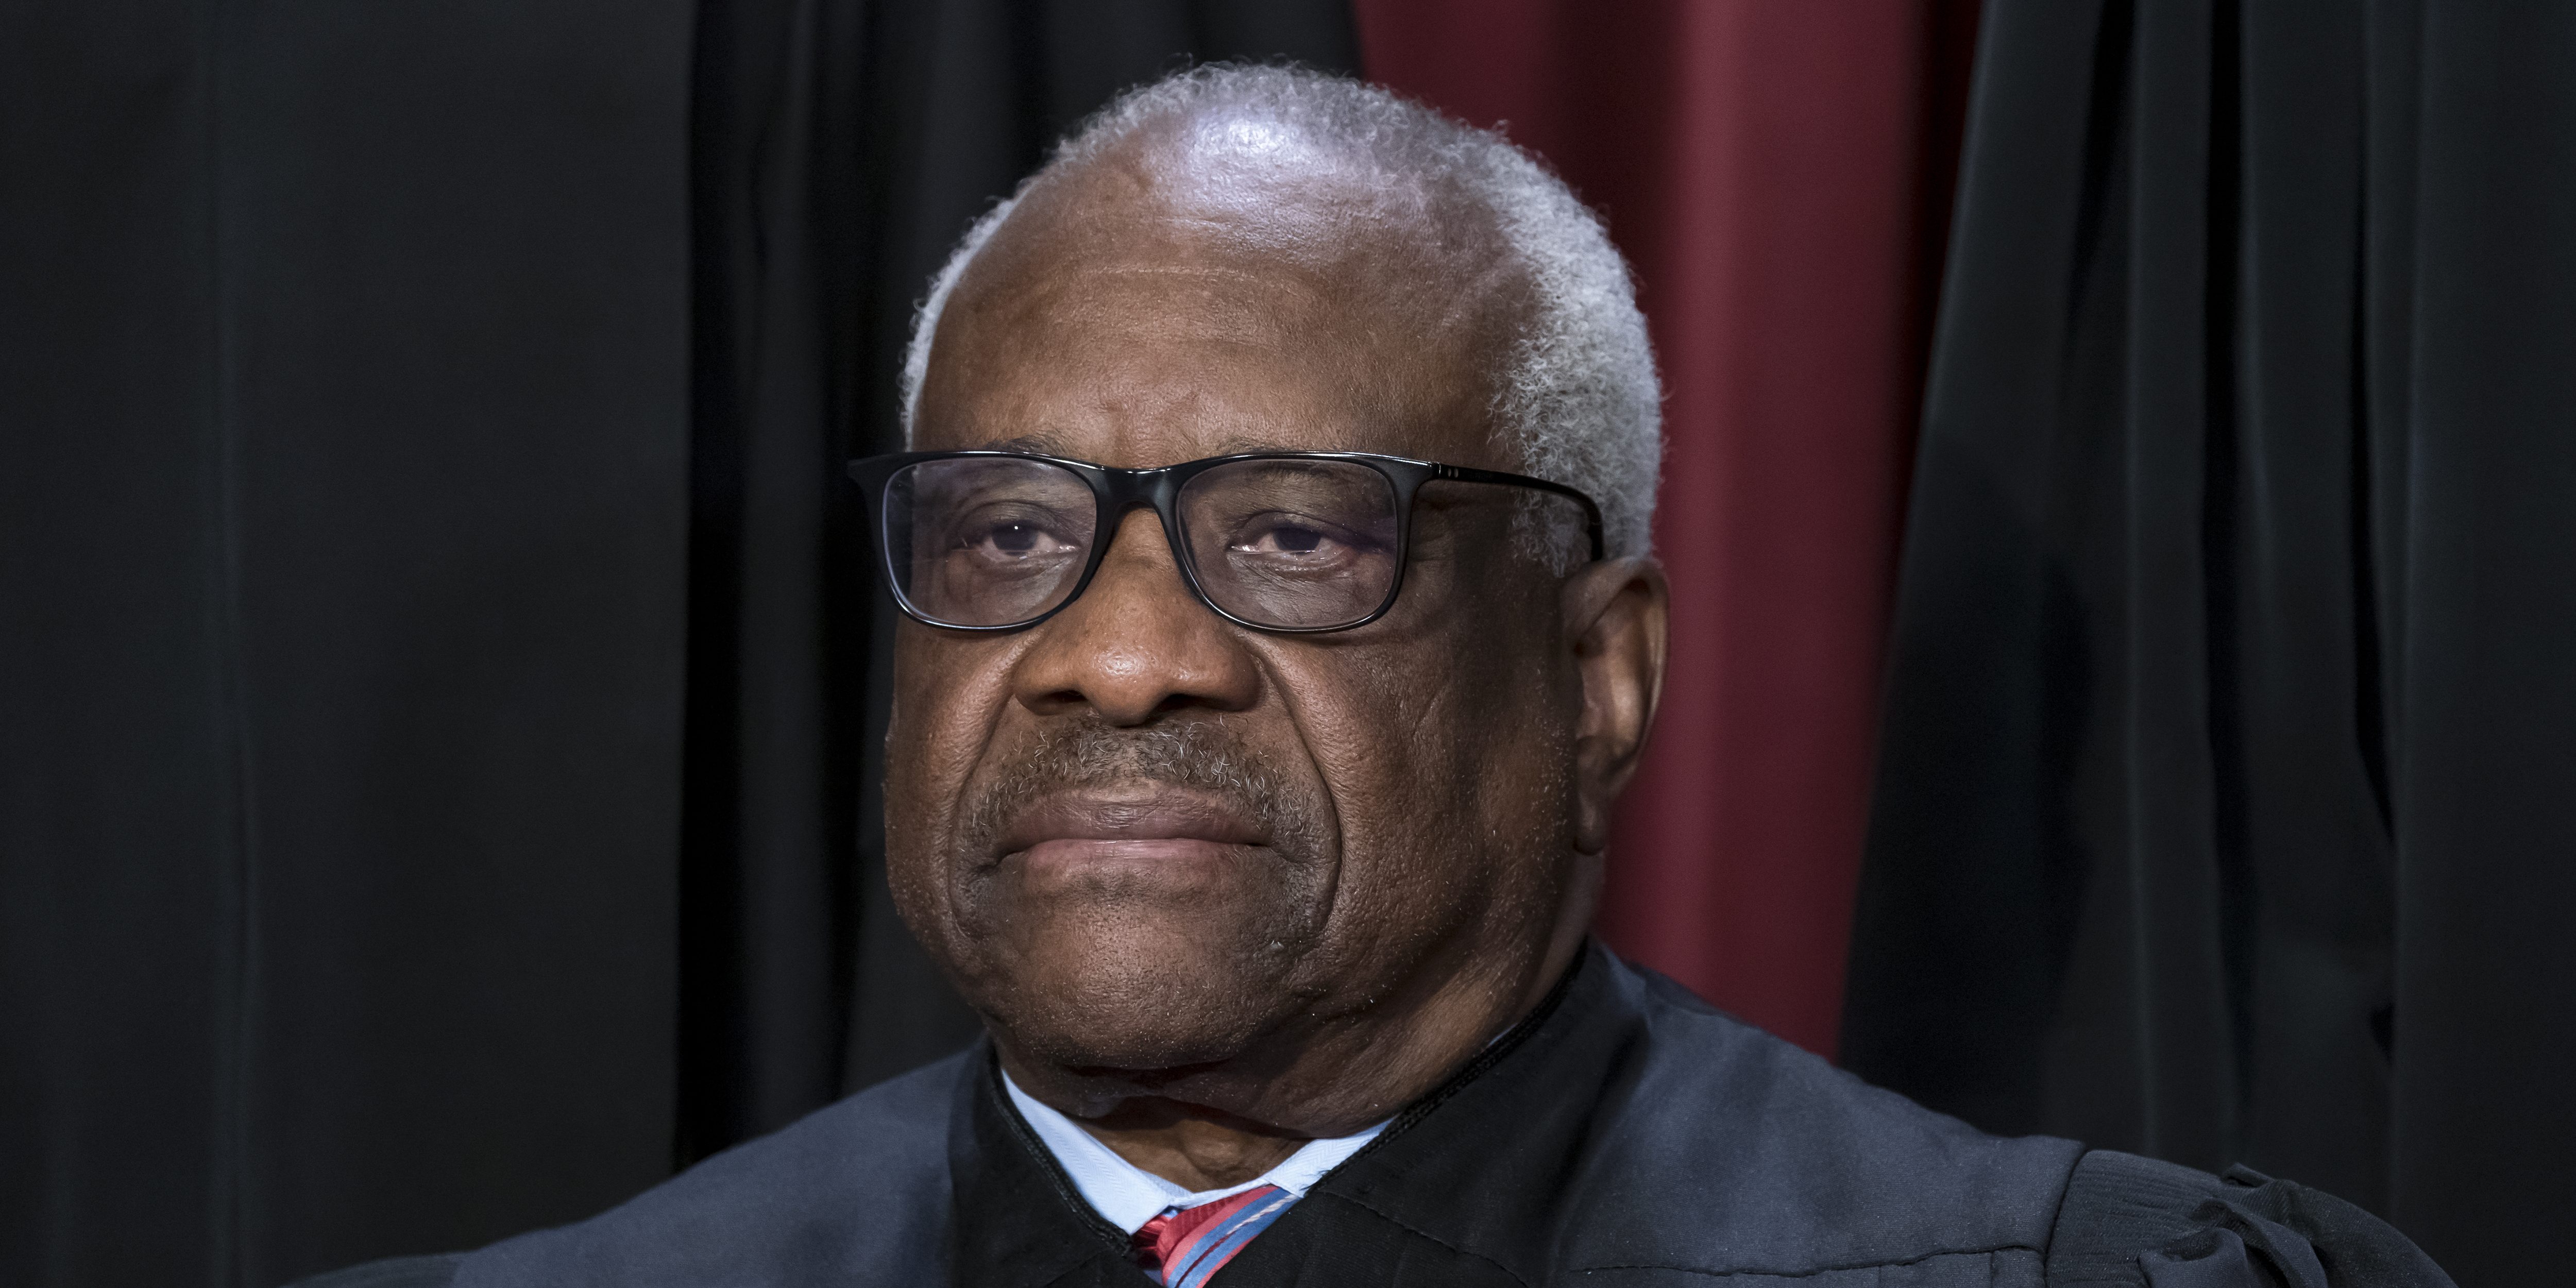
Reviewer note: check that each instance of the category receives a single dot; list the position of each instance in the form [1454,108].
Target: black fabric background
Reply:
[434,684]
[2224,804]
[343,359]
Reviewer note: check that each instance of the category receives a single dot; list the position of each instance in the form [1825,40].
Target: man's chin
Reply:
[1140,1001]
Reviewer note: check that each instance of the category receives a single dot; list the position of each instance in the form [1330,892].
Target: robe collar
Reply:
[1461,1188]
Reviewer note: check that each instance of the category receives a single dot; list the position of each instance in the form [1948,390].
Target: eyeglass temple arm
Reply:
[1591,508]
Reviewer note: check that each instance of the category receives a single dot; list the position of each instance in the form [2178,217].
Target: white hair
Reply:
[1578,402]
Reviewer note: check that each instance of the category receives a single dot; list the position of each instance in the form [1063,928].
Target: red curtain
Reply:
[1779,174]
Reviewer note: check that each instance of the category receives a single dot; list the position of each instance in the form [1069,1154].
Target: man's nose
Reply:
[1137,644]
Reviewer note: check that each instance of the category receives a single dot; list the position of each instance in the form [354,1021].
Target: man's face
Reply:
[1144,840]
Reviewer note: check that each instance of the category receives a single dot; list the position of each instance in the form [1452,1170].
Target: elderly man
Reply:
[1282,628]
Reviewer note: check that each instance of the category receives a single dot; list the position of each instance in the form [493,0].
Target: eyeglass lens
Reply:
[997,541]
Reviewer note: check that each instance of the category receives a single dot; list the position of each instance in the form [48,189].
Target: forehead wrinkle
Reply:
[1005,364]
[1071,305]
[1259,310]
[1149,268]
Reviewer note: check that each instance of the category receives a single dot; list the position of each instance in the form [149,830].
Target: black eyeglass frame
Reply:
[1117,491]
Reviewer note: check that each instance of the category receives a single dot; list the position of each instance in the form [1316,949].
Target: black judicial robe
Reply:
[1626,1134]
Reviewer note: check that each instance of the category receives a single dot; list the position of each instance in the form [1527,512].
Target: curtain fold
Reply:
[2223,760]
[344,444]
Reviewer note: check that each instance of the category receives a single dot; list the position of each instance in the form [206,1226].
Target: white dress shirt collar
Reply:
[1128,1196]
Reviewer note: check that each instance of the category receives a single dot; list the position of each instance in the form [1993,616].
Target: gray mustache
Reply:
[1196,755]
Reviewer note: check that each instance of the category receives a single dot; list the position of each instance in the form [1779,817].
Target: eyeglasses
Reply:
[1278,541]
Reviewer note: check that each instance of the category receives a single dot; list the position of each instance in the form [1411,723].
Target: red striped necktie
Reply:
[1181,1249]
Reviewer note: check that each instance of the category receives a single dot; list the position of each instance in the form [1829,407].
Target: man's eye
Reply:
[1287,538]
[1294,543]
[1015,539]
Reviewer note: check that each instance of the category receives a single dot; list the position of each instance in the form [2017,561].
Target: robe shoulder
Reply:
[2130,1222]
[855,1194]
[1733,1152]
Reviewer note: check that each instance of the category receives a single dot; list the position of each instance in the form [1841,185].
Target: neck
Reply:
[1218,1126]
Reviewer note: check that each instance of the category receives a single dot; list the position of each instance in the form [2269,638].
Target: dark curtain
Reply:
[2226,793]
[343,498]
[433,671]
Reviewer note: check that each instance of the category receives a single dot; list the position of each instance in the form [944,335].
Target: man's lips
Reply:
[1155,820]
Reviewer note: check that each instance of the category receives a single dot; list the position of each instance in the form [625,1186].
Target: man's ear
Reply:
[1616,613]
